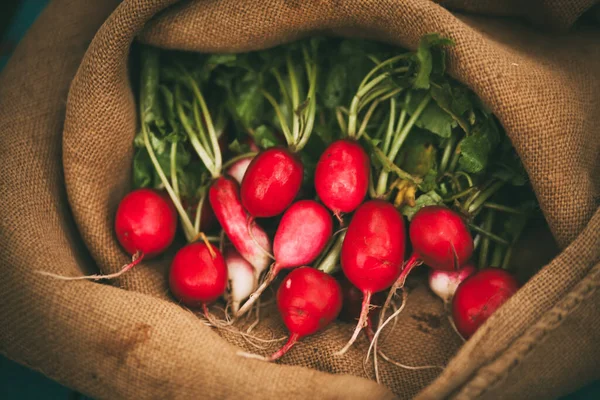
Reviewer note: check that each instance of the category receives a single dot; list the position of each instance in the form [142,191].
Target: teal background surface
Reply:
[16,381]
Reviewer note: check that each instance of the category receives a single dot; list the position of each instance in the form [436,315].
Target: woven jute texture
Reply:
[67,121]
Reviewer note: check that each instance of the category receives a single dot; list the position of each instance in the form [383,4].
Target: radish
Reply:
[145,226]
[249,239]
[274,177]
[372,253]
[198,275]
[241,276]
[308,300]
[342,176]
[440,239]
[444,283]
[271,182]
[145,222]
[302,234]
[238,168]
[479,296]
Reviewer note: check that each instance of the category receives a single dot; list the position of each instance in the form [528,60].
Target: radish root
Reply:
[135,260]
[270,277]
[362,321]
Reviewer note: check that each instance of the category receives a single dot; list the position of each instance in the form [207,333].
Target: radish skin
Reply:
[225,202]
[303,232]
[372,253]
[479,296]
[242,280]
[271,182]
[342,176]
[308,300]
[146,222]
[445,283]
[198,274]
[238,169]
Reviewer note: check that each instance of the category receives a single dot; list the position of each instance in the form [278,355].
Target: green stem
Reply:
[390,130]
[447,153]
[403,114]
[477,203]
[454,160]
[201,132]
[330,264]
[485,241]
[503,208]
[209,125]
[398,141]
[341,121]
[312,105]
[381,65]
[376,94]
[284,126]
[397,144]
[188,229]
[459,195]
[491,235]
[202,153]
[497,256]
[295,98]
[509,251]
[198,216]
[363,125]
[283,89]
[173,159]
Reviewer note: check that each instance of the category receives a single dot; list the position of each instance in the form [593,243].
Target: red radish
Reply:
[274,177]
[372,253]
[198,274]
[342,176]
[479,296]
[440,239]
[238,169]
[145,226]
[225,202]
[145,222]
[303,232]
[444,283]
[308,300]
[271,182]
[242,279]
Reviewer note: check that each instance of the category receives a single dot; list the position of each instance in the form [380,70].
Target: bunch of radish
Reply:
[285,170]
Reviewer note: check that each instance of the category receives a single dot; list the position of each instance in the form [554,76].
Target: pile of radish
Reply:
[320,162]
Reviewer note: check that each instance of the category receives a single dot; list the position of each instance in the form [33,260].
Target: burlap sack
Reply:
[60,186]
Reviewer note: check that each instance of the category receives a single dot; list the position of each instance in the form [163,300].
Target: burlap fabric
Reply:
[67,119]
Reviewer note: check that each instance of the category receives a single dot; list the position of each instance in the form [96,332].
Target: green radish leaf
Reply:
[143,171]
[433,118]
[264,137]
[429,180]
[431,59]
[477,148]
[336,87]
[453,102]
[427,199]
[475,151]
[239,148]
